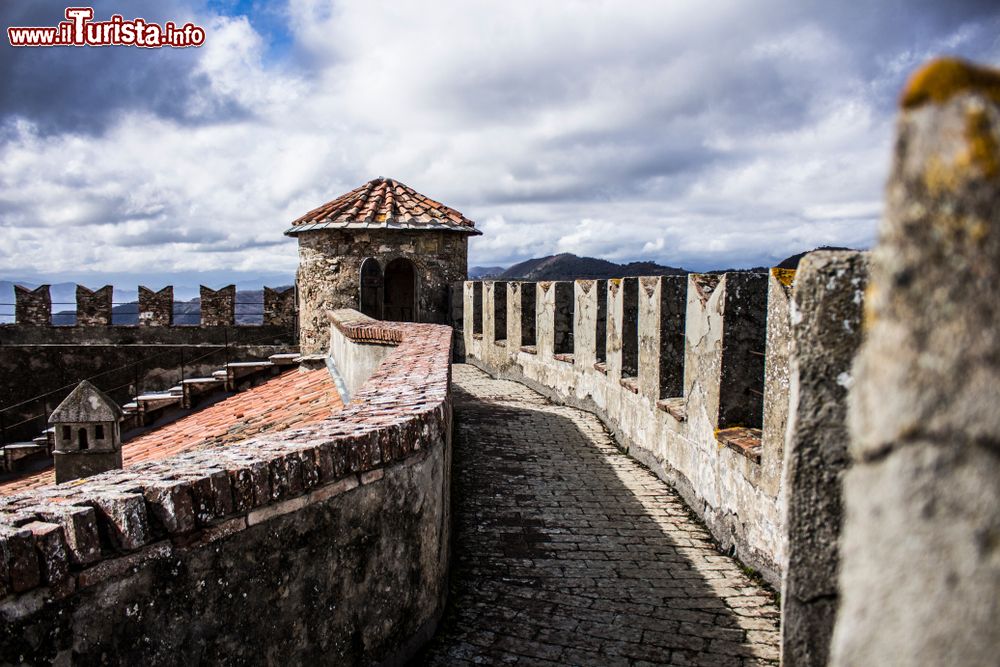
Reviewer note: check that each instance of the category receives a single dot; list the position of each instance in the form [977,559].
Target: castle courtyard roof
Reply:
[294,398]
[383,203]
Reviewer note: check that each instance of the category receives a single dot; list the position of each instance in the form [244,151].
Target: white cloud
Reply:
[703,136]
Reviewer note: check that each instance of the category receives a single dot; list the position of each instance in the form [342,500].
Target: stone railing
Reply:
[326,543]
[691,372]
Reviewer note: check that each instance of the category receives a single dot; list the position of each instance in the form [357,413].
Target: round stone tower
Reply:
[383,249]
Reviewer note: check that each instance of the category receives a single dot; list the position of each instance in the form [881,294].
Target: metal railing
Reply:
[134,384]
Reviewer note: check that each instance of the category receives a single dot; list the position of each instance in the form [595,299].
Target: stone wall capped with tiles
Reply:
[212,555]
[329,273]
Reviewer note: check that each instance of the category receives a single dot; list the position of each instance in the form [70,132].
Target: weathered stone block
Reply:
[170,505]
[19,567]
[826,333]
[920,563]
[545,319]
[616,313]
[211,494]
[93,307]
[724,350]
[279,307]
[121,518]
[218,307]
[776,384]
[156,309]
[53,555]
[79,529]
[33,307]
[662,308]
[586,321]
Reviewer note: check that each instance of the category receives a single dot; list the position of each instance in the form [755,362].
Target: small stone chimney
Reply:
[87,434]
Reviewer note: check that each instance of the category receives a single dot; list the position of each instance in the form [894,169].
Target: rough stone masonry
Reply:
[920,553]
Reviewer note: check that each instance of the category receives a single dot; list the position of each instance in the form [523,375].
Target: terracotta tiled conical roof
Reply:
[383,203]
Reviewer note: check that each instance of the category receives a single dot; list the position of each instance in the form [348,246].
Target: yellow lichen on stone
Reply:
[785,276]
[939,176]
[983,151]
[941,79]
[980,157]
[868,313]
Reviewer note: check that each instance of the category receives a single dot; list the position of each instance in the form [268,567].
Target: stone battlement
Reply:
[33,307]
[692,372]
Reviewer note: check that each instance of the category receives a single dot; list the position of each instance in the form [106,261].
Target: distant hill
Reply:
[793,261]
[480,272]
[568,267]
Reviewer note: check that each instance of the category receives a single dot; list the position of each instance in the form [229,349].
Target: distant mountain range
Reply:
[567,266]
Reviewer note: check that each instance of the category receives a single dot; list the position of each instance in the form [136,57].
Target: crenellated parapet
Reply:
[692,372]
[96,308]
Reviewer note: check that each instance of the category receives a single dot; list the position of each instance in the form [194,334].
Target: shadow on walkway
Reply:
[567,552]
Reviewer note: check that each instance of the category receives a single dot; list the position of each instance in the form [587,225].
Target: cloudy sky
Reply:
[696,133]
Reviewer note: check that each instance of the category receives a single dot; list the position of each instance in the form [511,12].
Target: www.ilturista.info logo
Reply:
[80,30]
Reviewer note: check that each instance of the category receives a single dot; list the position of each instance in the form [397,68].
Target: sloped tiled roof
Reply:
[383,203]
[294,398]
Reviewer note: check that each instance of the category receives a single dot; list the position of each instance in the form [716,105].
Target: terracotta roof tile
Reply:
[383,203]
[294,398]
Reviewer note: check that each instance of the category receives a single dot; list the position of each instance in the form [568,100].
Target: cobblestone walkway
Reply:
[569,553]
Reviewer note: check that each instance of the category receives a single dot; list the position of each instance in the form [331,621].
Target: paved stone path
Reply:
[568,552]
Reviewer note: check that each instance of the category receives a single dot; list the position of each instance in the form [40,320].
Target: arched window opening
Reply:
[371,288]
[399,303]
[82,438]
[99,432]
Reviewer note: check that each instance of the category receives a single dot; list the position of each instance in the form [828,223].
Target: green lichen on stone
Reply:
[941,79]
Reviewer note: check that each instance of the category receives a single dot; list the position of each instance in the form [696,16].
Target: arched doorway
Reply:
[400,300]
[371,288]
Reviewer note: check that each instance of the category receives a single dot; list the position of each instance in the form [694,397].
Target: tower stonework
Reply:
[382,249]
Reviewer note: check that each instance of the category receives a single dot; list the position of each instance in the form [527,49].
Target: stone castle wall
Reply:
[324,544]
[329,273]
[40,360]
[693,376]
